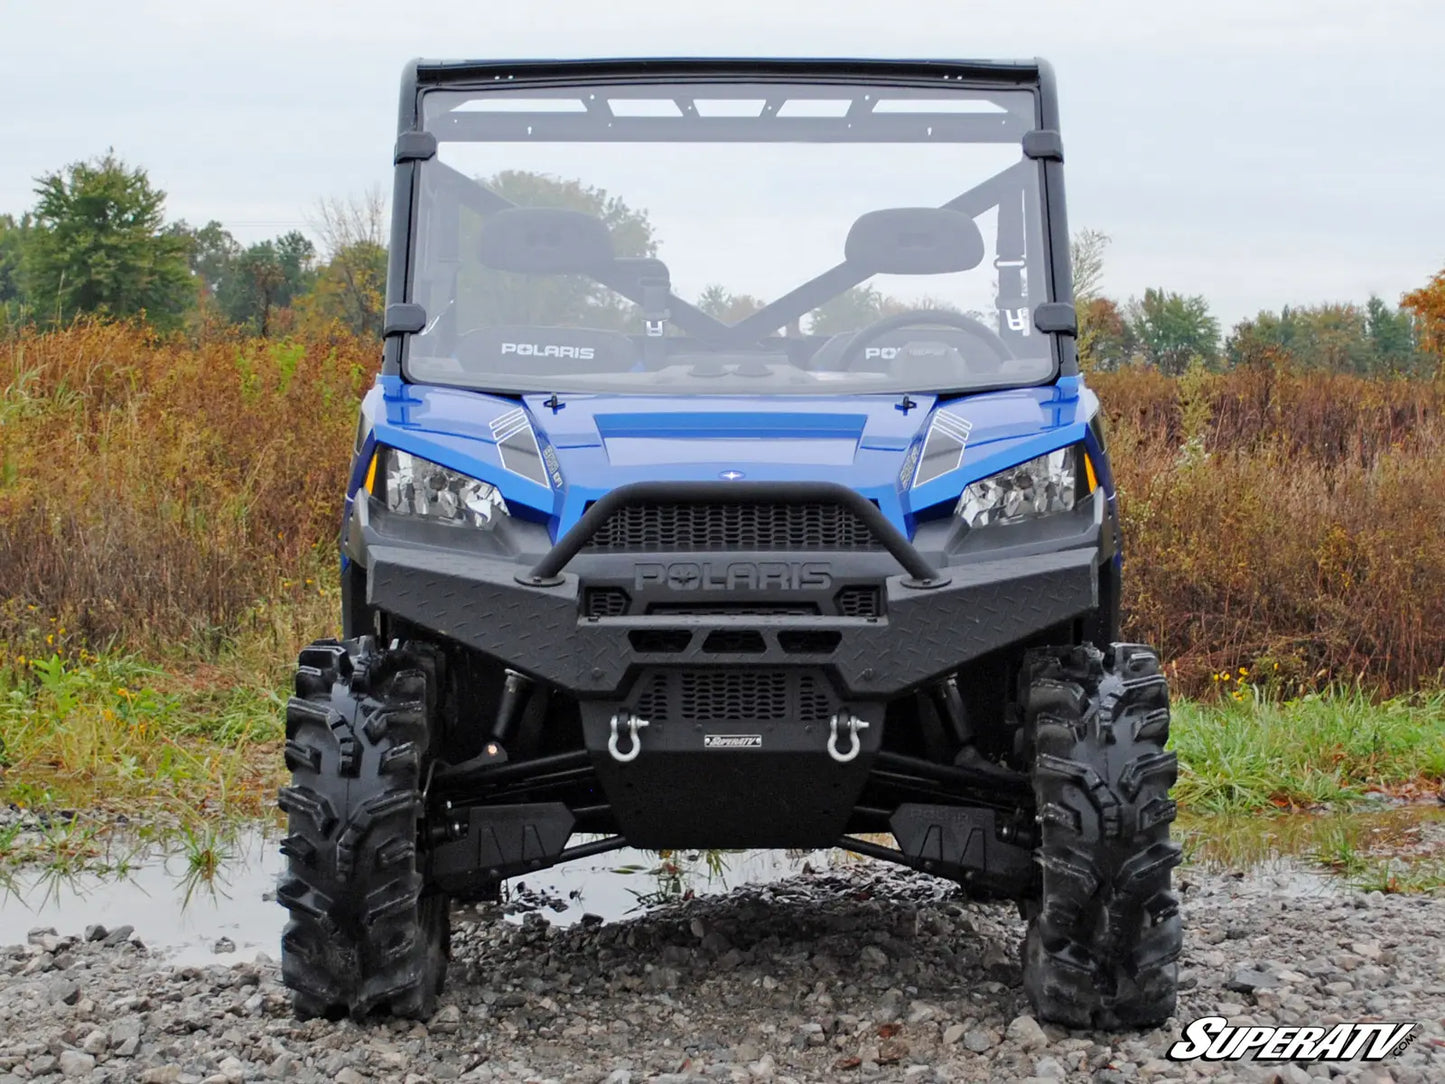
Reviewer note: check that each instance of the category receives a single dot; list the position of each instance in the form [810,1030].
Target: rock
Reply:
[223,944]
[765,1068]
[97,1042]
[980,1040]
[1049,1069]
[76,1062]
[66,993]
[1025,1031]
[446,1019]
[873,958]
[161,1074]
[118,936]
[952,1034]
[95,932]
[348,1075]
[1246,980]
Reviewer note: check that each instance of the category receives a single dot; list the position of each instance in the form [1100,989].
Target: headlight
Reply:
[413,486]
[1036,488]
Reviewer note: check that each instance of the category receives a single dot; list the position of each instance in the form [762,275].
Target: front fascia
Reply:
[452,427]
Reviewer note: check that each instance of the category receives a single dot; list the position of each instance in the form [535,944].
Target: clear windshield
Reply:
[729,238]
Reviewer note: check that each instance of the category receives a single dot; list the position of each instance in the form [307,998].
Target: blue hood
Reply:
[604,441]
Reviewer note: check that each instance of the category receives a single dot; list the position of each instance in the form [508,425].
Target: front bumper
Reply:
[743,668]
[540,631]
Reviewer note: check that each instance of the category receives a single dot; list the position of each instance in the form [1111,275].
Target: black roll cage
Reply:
[1053,316]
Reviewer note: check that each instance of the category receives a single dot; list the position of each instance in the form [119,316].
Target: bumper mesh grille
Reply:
[745,525]
[734,696]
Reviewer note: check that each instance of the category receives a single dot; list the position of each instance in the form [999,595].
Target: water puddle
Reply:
[178,911]
[187,917]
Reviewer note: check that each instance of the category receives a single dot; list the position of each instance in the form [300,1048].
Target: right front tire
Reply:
[364,936]
[1102,945]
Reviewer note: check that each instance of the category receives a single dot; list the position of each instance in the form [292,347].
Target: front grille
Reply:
[605,602]
[734,696]
[744,525]
[860,601]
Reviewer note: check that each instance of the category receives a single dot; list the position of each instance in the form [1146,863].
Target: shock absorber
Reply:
[515,692]
[948,702]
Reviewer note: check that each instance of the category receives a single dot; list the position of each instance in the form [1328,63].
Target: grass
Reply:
[196,747]
[112,734]
[1332,749]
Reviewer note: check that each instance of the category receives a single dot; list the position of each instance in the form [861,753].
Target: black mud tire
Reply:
[364,935]
[1104,937]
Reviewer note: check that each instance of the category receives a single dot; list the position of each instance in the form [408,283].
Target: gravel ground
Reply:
[854,974]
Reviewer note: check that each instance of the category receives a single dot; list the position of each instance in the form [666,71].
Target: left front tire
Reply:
[364,934]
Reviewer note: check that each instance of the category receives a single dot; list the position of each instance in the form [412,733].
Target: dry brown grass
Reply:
[1290,524]
[155,492]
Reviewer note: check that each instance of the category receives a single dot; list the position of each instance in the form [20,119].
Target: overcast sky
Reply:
[1259,152]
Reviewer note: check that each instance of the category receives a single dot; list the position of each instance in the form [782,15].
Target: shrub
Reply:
[155,491]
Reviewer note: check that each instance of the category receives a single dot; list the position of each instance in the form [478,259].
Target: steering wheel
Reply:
[998,350]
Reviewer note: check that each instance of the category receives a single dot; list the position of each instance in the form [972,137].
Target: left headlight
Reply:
[1036,488]
[413,486]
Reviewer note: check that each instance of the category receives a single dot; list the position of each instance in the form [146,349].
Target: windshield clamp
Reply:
[1058,317]
[415,147]
[406,318]
[1045,143]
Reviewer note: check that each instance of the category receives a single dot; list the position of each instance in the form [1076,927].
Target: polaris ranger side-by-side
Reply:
[729,482]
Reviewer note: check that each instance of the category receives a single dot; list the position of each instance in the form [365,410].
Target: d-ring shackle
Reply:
[854,724]
[633,724]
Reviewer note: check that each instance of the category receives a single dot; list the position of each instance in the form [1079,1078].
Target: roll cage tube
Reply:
[1041,143]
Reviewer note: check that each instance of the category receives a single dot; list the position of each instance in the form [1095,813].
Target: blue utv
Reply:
[729,482]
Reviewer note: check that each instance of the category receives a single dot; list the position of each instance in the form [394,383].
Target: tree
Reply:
[99,244]
[488,297]
[1086,255]
[729,308]
[1105,339]
[266,277]
[1330,337]
[211,253]
[1392,335]
[1428,306]
[350,286]
[1170,330]
[12,249]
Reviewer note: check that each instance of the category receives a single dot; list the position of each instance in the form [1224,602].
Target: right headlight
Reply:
[1038,487]
[413,486]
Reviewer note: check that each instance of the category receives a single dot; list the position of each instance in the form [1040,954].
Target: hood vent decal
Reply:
[518,448]
[942,447]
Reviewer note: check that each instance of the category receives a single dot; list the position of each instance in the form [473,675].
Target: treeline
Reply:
[1172,332]
[97,243]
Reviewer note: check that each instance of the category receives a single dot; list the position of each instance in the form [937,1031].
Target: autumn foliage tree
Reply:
[1428,305]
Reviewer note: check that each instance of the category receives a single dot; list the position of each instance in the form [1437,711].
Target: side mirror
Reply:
[545,240]
[915,241]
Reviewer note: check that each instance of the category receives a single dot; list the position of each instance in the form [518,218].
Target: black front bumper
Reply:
[743,667]
[541,631]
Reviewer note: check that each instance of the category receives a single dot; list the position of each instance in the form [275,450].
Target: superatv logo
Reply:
[732,741]
[735,576]
[538,350]
[1214,1038]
